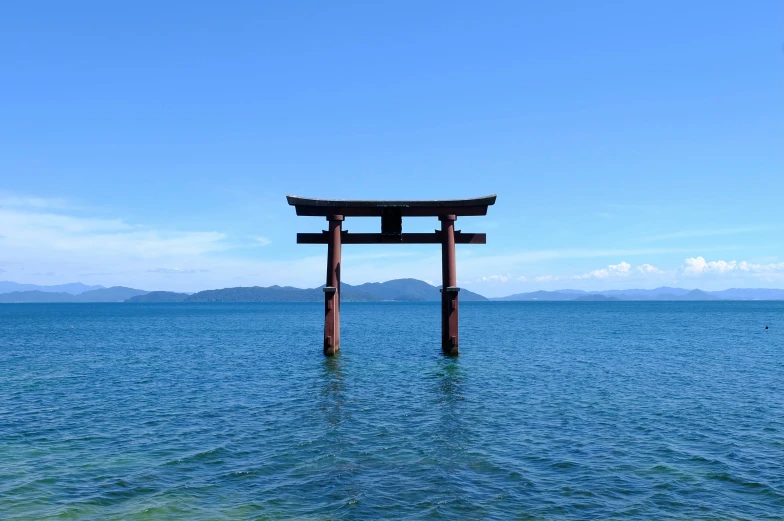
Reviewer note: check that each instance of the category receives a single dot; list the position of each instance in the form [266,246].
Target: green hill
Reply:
[272,294]
[400,290]
[405,290]
[35,296]
[114,294]
[159,296]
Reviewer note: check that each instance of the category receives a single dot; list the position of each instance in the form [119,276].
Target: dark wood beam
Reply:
[403,238]
[317,211]
[377,208]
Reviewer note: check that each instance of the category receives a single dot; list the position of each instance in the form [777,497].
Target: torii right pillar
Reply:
[449,289]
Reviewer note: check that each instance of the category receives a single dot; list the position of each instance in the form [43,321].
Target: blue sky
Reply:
[630,144]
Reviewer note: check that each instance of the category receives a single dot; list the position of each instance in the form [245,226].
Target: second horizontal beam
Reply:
[403,238]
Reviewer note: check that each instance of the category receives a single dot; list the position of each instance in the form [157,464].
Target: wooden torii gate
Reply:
[391,213]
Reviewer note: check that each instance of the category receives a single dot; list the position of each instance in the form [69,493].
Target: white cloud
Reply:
[613,270]
[774,268]
[696,266]
[692,267]
[522,278]
[722,266]
[495,278]
[502,263]
[647,269]
[262,241]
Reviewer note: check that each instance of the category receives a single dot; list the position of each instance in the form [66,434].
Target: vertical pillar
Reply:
[449,289]
[332,289]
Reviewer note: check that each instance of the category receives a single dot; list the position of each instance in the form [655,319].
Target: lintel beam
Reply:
[403,238]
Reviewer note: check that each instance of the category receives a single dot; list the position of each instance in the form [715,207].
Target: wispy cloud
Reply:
[32,232]
[376,255]
[691,234]
[495,278]
[39,203]
[177,271]
[39,236]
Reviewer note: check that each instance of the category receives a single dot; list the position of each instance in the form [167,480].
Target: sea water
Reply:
[590,410]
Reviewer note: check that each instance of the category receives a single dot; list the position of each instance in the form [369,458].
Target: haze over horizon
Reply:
[76,288]
[152,146]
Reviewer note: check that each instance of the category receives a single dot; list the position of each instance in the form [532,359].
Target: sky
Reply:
[631,144]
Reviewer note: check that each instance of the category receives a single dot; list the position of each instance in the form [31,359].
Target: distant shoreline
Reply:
[350,302]
[398,290]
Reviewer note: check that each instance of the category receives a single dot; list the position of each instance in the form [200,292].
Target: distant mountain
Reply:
[663,293]
[646,294]
[595,298]
[258,294]
[35,296]
[750,294]
[74,288]
[697,294]
[159,296]
[114,294]
[406,290]
[401,290]
[398,290]
[541,296]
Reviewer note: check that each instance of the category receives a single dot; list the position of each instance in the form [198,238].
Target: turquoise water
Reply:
[616,410]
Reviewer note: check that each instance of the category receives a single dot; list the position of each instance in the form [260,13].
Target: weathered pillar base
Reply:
[449,337]
[331,325]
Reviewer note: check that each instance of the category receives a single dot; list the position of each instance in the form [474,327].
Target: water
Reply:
[552,411]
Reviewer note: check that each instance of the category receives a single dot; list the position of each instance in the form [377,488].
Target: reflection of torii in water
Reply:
[391,213]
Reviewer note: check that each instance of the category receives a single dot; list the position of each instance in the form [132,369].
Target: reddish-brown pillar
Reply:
[449,289]
[332,289]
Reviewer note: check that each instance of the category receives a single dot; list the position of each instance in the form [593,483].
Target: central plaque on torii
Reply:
[391,214]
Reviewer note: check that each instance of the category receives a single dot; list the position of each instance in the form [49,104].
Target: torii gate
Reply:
[391,213]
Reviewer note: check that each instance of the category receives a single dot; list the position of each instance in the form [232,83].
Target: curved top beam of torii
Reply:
[375,208]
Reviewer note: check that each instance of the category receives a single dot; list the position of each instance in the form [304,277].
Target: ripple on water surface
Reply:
[552,411]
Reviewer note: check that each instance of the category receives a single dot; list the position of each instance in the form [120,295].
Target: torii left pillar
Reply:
[332,289]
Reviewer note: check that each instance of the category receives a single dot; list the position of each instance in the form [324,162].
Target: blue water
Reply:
[552,411]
